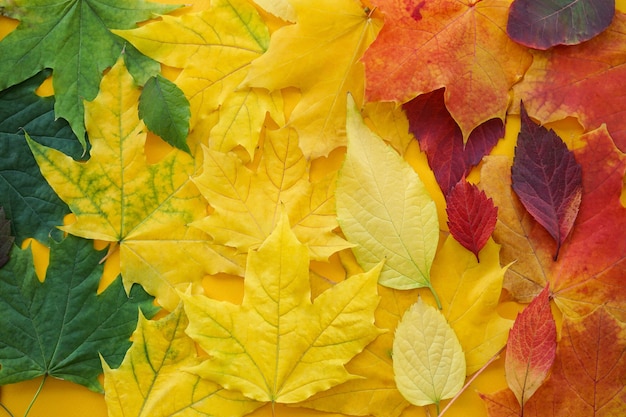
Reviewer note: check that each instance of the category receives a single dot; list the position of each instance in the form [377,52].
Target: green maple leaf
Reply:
[62,326]
[73,38]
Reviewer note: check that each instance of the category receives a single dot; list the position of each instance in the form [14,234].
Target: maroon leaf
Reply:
[440,137]
[6,240]
[547,179]
[471,216]
[541,24]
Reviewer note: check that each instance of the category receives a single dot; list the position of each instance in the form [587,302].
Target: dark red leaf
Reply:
[441,139]
[547,179]
[542,24]
[6,240]
[471,216]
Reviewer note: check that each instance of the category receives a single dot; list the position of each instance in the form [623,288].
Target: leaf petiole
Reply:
[435,296]
[32,402]
[4,407]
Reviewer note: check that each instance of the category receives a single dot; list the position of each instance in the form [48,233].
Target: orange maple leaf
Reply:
[459,45]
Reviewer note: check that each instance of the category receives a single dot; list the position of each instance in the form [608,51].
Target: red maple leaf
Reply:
[440,137]
[459,45]
[585,81]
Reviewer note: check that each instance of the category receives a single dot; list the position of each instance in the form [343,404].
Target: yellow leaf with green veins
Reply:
[248,202]
[152,380]
[214,48]
[278,345]
[320,55]
[384,208]
[117,196]
[428,361]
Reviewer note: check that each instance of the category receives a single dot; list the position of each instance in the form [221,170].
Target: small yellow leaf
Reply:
[428,361]
[152,381]
[278,345]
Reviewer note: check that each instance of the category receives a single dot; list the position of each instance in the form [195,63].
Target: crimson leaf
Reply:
[440,137]
[471,216]
[546,23]
[547,179]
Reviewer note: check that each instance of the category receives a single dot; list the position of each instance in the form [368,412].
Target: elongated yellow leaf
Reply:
[214,48]
[384,208]
[428,361]
[117,196]
[278,345]
[152,380]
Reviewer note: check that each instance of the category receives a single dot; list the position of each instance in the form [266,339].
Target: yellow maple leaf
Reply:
[278,345]
[152,382]
[214,48]
[248,202]
[299,56]
[118,197]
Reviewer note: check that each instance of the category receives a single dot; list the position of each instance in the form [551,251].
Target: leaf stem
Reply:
[4,407]
[32,402]
[467,384]
[435,296]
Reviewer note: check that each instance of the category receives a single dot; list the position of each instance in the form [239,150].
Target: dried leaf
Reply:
[531,348]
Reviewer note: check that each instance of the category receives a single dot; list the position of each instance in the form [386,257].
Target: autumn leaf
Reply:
[547,179]
[165,111]
[247,203]
[531,348]
[577,285]
[481,61]
[390,122]
[471,216]
[278,345]
[587,377]
[73,38]
[299,56]
[469,293]
[428,361]
[117,196]
[6,240]
[544,24]
[33,207]
[229,36]
[152,380]
[60,326]
[279,8]
[564,82]
[384,208]
[440,137]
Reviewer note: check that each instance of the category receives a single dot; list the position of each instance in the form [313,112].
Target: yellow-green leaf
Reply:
[117,196]
[428,361]
[278,345]
[152,380]
[384,208]
[322,59]
[248,202]
[214,48]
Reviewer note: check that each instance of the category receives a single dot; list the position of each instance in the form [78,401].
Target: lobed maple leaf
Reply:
[440,137]
[229,36]
[459,45]
[247,203]
[6,240]
[547,179]
[152,380]
[471,216]
[278,345]
[577,285]
[299,56]
[117,196]
[531,348]
[544,24]
[565,81]
[73,37]
[587,377]
[58,327]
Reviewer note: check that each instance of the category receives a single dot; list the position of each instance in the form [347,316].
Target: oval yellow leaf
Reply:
[428,361]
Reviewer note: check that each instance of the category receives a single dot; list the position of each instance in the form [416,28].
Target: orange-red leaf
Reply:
[460,45]
[471,216]
[531,348]
[440,137]
[587,377]
[567,81]
[547,179]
